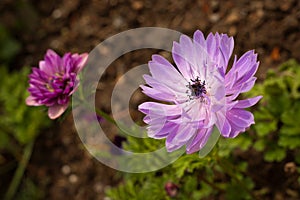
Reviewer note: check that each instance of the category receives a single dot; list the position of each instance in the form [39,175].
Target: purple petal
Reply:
[178,138]
[235,130]
[183,55]
[223,125]
[159,132]
[246,103]
[242,70]
[79,61]
[46,68]
[199,141]
[240,117]
[30,101]
[166,74]
[160,109]
[161,91]
[56,110]
[200,39]
[53,60]
[213,43]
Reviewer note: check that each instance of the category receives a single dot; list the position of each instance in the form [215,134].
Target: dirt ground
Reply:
[59,163]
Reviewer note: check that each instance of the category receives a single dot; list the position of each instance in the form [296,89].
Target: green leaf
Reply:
[260,145]
[275,154]
[290,142]
[263,129]
[290,130]
[21,121]
[292,115]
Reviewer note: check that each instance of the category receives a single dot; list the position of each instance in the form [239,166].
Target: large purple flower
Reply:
[55,81]
[199,94]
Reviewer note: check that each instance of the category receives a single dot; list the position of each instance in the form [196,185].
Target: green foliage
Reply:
[20,124]
[30,191]
[18,120]
[196,178]
[277,120]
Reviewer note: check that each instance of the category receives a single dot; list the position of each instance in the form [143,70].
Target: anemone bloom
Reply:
[55,81]
[199,94]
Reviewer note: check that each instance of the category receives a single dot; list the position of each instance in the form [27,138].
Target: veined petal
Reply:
[199,141]
[184,56]
[56,110]
[223,125]
[159,93]
[79,61]
[158,132]
[240,117]
[179,137]
[53,60]
[226,49]
[200,39]
[246,103]
[163,71]
[160,109]
[30,101]
[242,71]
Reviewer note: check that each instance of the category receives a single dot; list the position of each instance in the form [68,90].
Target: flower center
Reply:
[197,88]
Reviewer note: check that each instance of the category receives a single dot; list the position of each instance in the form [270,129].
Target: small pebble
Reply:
[73,178]
[54,44]
[98,187]
[232,17]
[117,22]
[137,5]
[57,13]
[290,167]
[66,169]
[214,17]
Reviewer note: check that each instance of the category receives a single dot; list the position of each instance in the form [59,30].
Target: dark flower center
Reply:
[197,88]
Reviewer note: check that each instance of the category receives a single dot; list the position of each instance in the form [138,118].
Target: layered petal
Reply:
[55,81]
[56,110]
[200,93]
[241,78]
[199,140]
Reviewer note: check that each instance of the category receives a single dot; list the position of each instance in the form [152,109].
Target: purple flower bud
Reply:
[171,189]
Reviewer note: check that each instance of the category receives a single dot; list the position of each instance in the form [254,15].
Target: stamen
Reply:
[49,87]
[197,88]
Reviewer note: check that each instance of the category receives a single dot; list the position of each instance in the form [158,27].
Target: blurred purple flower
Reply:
[55,81]
[199,93]
[171,189]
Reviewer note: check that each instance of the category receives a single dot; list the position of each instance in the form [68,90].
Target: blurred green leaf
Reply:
[263,129]
[259,145]
[275,154]
[21,121]
[290,142]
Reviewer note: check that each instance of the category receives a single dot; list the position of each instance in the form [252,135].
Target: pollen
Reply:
[197,88]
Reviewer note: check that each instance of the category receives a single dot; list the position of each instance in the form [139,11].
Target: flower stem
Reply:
[19,172]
